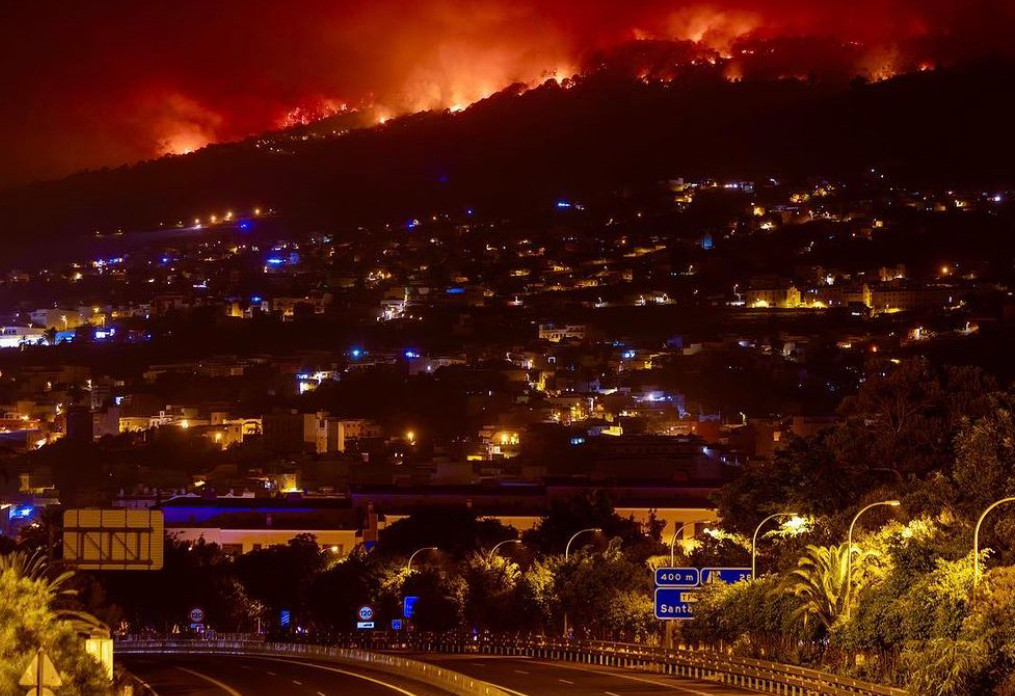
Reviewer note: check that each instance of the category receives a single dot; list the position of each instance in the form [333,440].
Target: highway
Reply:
[529,677]
[228,675]
[185,675]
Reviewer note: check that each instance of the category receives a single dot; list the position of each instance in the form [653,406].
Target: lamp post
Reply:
[567,552]
[849,547]
[976,543]
[676,535]
[493,551]
[754,539]
[408,566]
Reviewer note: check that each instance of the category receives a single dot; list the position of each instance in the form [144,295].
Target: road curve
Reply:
[230,675]
[531,677]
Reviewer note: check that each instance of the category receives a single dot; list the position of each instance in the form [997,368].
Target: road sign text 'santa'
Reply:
[675,603]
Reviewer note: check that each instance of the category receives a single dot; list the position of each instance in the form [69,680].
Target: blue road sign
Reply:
[396,624]
[727,575]
[675,603]
[409,606]
[677,577]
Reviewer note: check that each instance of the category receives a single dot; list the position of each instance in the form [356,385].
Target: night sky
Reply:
[88,84]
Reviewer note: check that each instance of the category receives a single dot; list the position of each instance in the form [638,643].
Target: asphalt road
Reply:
[179,675]
[529,677]
[227,675]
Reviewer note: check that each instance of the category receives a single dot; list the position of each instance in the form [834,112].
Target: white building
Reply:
[17,336]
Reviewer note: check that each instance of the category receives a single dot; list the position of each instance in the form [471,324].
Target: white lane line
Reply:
[565,681]
[612,693]
[297,682]
[211,680]
[337,671]
[146,685]
[520,671]
[272,674]
[479,664]
[656,682]
[320,693]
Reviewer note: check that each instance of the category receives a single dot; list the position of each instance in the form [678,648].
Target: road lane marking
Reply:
[212,680]
[565,681]
[320,693]
[272,674]
[667,685]
[297,682]
[336,670]
[520,671]
[612,693]
[146,685]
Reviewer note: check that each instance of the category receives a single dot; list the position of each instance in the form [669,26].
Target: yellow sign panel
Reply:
[40,672]
[102,539]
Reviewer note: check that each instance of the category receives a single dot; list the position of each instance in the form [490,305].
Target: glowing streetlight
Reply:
[410,436]
[408,566]
[976,543]
[493,551]
[567,552]
[849,547]
[754,539]
[676,535]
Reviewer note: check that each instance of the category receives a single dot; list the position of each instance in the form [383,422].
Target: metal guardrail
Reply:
[452,682]
[758,675]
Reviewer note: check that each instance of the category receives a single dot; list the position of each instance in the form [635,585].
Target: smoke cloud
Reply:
[114,81]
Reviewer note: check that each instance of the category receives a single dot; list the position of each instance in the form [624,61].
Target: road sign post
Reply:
[40,674]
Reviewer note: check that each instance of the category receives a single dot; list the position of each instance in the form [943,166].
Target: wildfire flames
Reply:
[221,72]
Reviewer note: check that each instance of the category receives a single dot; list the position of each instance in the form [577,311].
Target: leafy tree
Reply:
[31,617]
[819,581]
[537,600]
[588,581]
[336,594]
[280,576]
[592,510]
[492,582]
[195,574]
[457,531]
[442,598]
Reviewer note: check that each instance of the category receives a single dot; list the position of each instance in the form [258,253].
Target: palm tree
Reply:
[819,581]
[35,568]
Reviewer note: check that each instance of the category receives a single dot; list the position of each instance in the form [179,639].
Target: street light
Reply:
[493,551]
[676,534]
[849,547]
[408,566]
[567,552]
[976,543]
[754,539]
